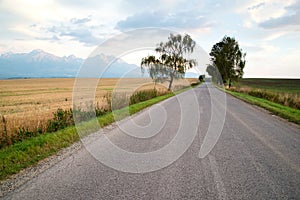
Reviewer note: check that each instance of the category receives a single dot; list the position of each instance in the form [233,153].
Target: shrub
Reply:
[100,110]
[143,95]
[5,139]
[62,119]
[119,100]
[24,133]
[195,84]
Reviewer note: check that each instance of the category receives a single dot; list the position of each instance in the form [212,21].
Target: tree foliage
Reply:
[171,63]
[201,78]
[228,61]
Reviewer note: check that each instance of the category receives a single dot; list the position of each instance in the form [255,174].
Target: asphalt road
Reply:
[256,156]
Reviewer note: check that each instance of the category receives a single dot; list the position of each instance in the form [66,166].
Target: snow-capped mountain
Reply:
[39,63]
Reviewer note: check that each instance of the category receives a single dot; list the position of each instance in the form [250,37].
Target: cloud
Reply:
[51,38]
[82,35]
[291,19]
[77,30]
[257,6]
[274,35]
[259,13]
[80,21]
[185,19]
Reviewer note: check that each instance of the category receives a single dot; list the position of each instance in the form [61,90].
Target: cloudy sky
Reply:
[267,30]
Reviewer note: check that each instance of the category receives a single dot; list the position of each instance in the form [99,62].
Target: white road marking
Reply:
[217,178]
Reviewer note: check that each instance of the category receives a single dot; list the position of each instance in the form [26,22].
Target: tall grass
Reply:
[288,113]
[291,100]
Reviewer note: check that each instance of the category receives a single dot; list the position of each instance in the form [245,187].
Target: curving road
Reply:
[256,156]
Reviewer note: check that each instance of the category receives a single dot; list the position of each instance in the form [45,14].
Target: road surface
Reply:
[257,156]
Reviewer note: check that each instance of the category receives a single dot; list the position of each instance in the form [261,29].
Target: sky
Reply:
[268,31]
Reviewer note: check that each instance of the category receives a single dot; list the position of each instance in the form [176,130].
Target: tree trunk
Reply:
[171,82]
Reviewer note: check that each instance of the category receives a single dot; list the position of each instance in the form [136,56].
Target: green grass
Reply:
[291,114]
[28,152]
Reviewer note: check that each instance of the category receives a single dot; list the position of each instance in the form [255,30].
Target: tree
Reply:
[214,73]
[228,59]
[201,78]
[170,64]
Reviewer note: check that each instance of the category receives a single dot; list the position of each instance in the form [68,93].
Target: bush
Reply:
[62,119]
[99,110]
[195,83]
[143,95]
[24,133]
[5,139]
[119,100]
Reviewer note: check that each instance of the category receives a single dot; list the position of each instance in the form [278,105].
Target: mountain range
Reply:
[40,64]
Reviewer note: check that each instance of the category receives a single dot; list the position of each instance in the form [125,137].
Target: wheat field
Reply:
[29,103]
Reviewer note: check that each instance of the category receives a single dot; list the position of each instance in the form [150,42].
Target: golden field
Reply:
[29,103]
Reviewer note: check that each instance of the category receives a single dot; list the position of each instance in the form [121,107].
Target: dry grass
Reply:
[30,103]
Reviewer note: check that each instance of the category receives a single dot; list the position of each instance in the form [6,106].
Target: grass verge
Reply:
[28,152]
[291,114]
